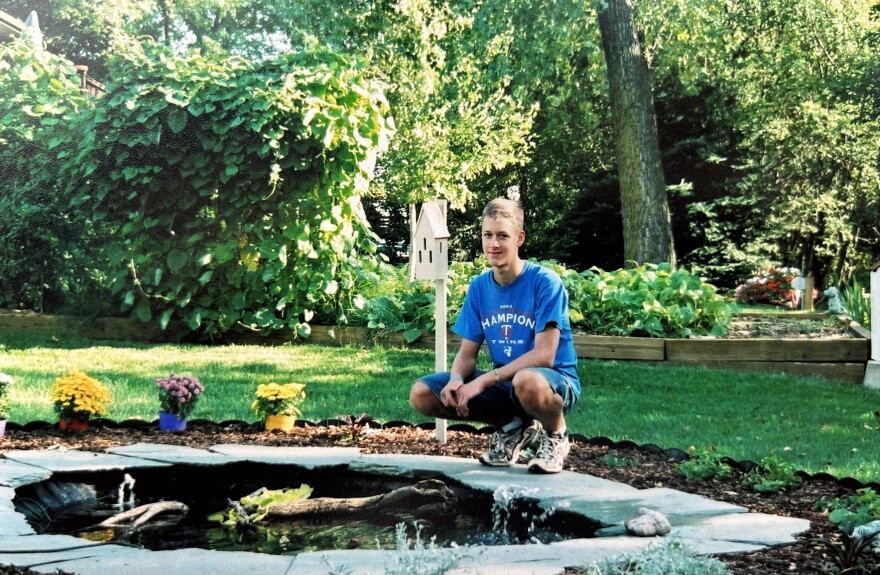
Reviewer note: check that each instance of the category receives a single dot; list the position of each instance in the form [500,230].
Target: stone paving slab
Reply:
[677,506]
[752,528]
[34,550]
[707,526]
[172,454]
[59,461]
[13,474]
[129,561]
[14,524]
[306,457]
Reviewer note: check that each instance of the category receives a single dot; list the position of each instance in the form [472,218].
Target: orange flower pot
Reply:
[66,423]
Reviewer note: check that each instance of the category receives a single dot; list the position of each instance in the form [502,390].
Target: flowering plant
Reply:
[78,395]
[279,399]
[5,402]
[772,286]
[178,394]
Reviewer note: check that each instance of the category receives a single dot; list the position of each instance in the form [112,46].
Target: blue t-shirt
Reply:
[508,317]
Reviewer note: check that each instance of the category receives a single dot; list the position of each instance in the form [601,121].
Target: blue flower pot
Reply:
[171,422]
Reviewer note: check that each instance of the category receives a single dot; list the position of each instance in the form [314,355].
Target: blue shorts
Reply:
[499,399]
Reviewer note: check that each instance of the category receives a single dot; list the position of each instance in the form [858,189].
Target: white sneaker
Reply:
[504,448]
[551,454]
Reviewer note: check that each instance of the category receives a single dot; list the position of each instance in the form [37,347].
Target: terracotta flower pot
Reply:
[280,422]
[73,423]
[171,422]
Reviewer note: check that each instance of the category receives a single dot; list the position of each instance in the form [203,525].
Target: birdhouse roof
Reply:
[433,216]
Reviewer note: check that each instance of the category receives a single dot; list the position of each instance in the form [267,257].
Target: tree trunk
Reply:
[647,234]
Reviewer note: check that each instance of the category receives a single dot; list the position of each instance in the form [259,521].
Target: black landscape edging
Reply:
[600,441]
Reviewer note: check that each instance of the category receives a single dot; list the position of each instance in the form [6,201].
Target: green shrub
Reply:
[648,300]
[857,306]
[703,467]
[773,476]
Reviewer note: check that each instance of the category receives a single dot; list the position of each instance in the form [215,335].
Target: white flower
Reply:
[5,379]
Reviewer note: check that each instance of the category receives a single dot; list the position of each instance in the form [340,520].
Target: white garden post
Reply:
[430,261]
[872,372]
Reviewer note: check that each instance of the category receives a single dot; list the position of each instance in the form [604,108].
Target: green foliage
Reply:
[395,304]
[650,300]
[773,476]
[615,461]
[254,507]
[850,514]
[857,306]
[647,300]
[672,558]
[232,189]
[704,466]
[853,510]
[47,253]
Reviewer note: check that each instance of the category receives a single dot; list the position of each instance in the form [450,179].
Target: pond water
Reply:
[75,503]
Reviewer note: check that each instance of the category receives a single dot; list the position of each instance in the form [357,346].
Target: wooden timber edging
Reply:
[840,359]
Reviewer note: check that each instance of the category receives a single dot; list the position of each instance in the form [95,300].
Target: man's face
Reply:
[501,241]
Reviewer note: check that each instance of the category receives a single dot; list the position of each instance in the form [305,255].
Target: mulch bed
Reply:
[645,467]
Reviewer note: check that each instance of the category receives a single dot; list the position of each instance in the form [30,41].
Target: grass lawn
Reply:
[819,426]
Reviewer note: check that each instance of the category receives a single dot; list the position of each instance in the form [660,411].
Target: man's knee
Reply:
[422,398]
[532,389]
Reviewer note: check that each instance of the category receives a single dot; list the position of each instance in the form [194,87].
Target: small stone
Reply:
[648,523]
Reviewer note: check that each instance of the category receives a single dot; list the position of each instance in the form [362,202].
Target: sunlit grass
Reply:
[817,425]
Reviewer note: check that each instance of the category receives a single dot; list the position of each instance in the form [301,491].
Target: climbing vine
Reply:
[232,188]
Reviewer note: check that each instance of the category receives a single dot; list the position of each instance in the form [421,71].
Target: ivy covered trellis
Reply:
[232,189]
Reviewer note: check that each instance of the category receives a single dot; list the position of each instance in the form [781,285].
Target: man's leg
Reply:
[546,395]
[494,406]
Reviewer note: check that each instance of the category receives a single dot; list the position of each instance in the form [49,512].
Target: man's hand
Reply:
[465,393]
[448,395]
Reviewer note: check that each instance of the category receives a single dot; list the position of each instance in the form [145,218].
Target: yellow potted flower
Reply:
[77,397]
[278,404]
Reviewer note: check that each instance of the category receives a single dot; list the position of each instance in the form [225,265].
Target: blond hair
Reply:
[505,208]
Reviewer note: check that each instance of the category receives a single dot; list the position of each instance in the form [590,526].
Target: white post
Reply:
[872,371]
[875,313]
[440,344]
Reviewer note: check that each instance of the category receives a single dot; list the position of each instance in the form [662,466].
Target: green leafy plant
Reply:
[232,188]
[646,300]
[356,425]
[253,508]
[857,306]
[773,476]
[851,514]
[615,461]
[703,466]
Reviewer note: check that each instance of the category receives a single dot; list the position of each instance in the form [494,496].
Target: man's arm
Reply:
[542,355]
[463,366]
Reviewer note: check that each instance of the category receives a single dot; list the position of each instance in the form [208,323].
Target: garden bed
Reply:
[803,344]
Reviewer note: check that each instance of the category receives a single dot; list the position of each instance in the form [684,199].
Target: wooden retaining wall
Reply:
[832,359]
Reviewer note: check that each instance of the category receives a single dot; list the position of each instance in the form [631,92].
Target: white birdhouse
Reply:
[430,242]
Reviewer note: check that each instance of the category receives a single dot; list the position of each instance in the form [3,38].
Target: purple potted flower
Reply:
[178,395]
